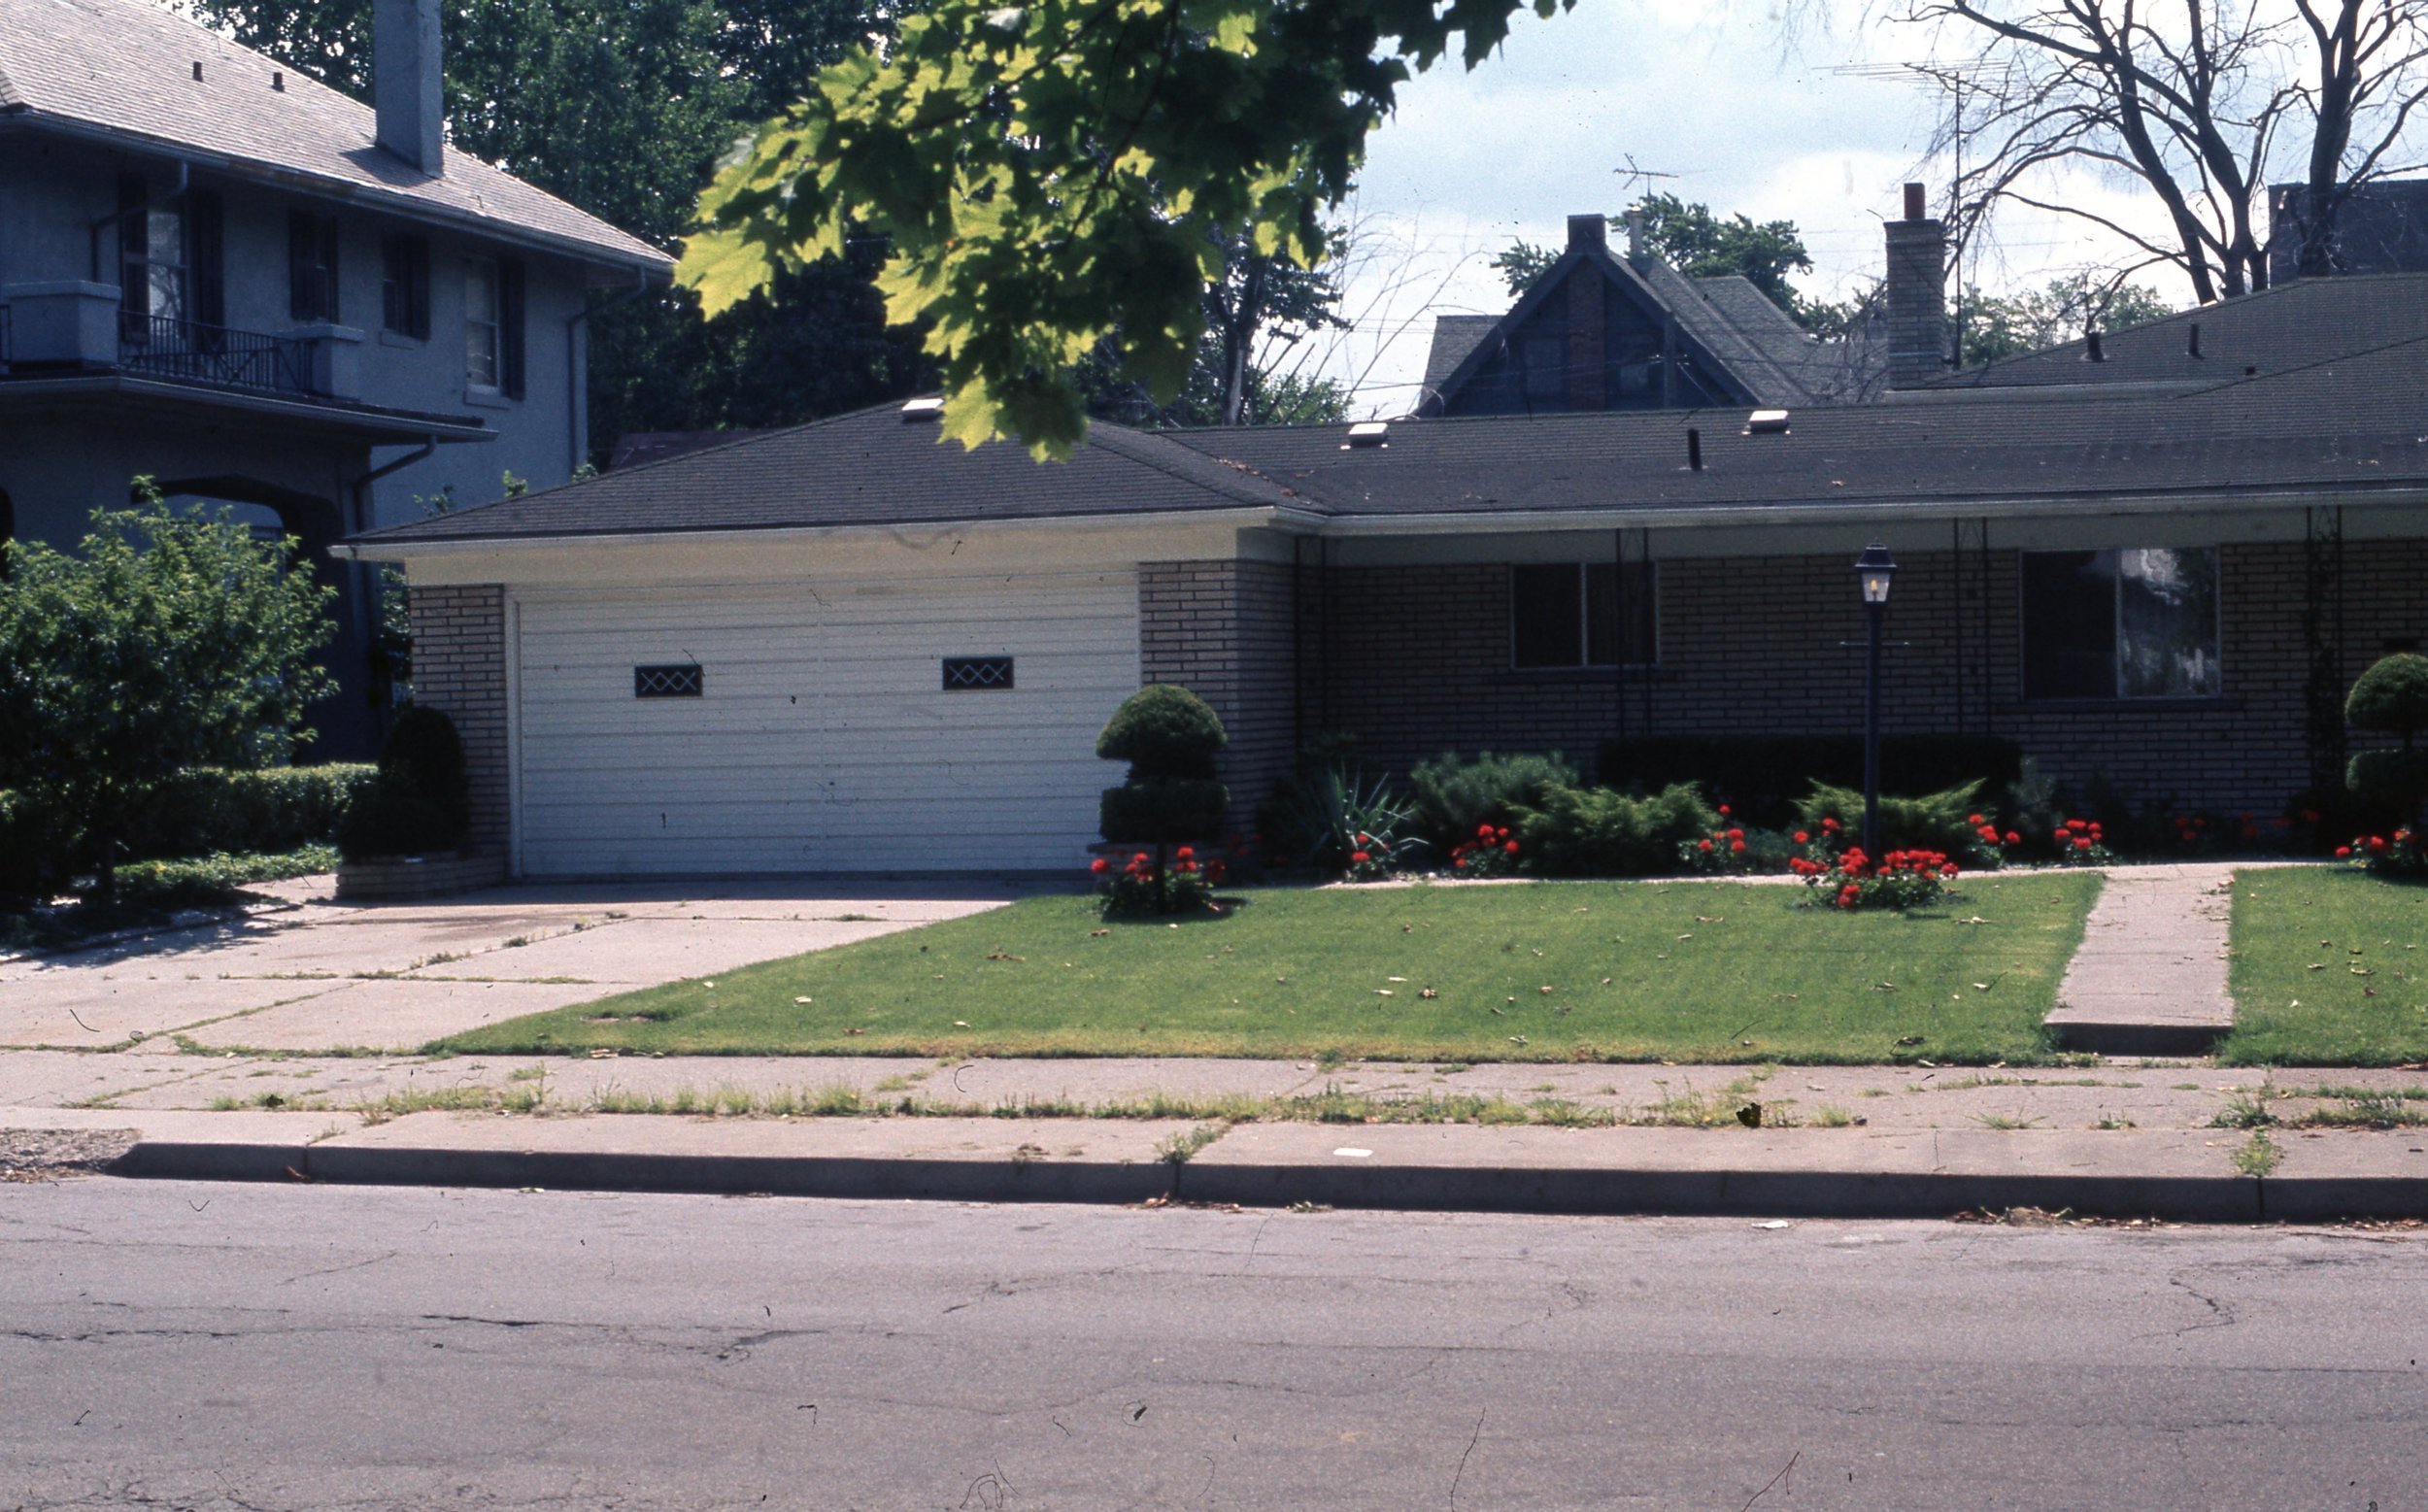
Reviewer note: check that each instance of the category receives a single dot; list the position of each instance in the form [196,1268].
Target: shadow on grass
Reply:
[1226,906]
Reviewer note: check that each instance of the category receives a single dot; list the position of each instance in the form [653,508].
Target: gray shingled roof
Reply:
[2278,329]
[2350,426]
[2356,424]
[123,69]
[869,468]
[1454,337]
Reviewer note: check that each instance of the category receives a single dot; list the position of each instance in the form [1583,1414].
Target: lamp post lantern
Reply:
[1872,569]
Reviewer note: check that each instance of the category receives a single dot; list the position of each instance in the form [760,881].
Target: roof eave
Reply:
[385,545]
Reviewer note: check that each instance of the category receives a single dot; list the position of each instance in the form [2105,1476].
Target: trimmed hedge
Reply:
[1762,776]
[1595,832]
[203,811]
[1454,796]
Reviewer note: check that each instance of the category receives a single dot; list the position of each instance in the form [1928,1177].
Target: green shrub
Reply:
[389,819]
[2389,781]
[206,810]
[1170,737]
[35,843]
[1761,777]
[424,754]
[1163,811]
[2392,696]
[1934,822]
[1455,798]
[420,800]
[1600,833]
[1163,731]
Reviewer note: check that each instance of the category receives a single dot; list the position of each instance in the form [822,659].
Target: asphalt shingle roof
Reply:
[868,468]
[2347,425]
[124,68]
[2288,326]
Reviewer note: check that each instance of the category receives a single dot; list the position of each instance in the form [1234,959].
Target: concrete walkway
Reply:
[2150,978]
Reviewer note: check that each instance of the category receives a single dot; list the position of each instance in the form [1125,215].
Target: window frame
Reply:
[315,290]
[2116,694]
[405,284]
[492,319]
[140,263]
[1584,619]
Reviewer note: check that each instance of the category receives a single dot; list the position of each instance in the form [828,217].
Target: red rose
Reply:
[1804,837]
[1724,811]
[2376,844]
[2083,842]
[1737,847]
[1975,820]
[1703,845]
[1361,857]
[1512,848]
[1736,834]
[1187,852]
[2344,853]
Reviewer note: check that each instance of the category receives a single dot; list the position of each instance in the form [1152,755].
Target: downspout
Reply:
[577,388]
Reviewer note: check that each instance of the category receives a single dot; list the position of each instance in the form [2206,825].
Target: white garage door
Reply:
[820,737]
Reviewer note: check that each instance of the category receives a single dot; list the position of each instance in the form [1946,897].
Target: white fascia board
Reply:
[968,548]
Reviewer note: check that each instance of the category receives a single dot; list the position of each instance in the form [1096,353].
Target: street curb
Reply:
[1410,1187]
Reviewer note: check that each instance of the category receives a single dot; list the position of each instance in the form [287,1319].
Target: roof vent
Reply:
[920,411]
[2091,349]
[1694,449]
[278,82]
[197,70]
[1369,433]
[2196,338]
[1766,423]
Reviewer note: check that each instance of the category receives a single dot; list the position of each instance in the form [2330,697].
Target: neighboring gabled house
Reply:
[845,648]
[1598,331]
[218,273]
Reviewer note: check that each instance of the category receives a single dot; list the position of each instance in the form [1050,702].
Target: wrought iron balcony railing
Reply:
[189,351]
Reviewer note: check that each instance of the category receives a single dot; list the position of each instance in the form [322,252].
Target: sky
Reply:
[1747,118]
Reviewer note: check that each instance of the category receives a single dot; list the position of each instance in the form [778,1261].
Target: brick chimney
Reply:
[405,94]
[1917,296]
[1588,377]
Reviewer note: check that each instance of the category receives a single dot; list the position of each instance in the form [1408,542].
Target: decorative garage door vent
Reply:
[666,681]
[976,674]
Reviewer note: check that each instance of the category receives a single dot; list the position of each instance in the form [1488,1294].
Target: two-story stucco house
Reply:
[228,277]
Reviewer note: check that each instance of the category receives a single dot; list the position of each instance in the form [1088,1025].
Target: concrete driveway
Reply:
[320,975]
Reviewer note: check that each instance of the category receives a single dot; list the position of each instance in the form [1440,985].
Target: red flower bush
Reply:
[2404,854]
[1900,878]
[1489,854]
[1139,890]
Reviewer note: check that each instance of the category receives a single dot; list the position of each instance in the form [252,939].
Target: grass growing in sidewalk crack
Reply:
[2259,1155]
[1179,1149]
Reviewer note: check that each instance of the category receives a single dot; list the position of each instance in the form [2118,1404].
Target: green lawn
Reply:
[1709,971]
[2330,968]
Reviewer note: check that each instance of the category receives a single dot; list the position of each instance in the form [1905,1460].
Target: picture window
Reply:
[2134,624]
[1573,615]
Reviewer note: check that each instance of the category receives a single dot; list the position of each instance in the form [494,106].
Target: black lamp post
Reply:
[1872,569]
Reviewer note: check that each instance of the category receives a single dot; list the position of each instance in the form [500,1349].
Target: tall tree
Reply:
[1995,326]
[1060,177]
[2204,105]
[1248,368]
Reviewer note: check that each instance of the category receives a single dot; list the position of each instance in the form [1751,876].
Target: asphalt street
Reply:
[230,1347]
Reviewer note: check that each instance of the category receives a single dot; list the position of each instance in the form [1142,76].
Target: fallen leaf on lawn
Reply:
[1517,1039]
[961,1023]
[1981,987]
[1885,986]
[1605,981]
[1097,935]
[1699,918]
[2317,965]
[1978,918]
[1384,992]
[800,1000]
[1394,979]
[1933,1064]
[1546,991]
[603,1055]
[1910,1039]
[711,986]
[2362,971]
[854,1031]
[1004,955]
[1685,936]
[1428,993]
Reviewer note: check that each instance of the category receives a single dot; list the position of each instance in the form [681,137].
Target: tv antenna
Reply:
[1638,179]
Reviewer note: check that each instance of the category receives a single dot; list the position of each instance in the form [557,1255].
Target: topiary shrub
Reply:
[1599,833]
[2390,696]
[1170,737]
[420,801]
[1455,798]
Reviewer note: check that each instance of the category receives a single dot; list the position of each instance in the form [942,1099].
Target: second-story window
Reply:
[152,253]
[493,326]
[405,286]
[310,267]
[481,366]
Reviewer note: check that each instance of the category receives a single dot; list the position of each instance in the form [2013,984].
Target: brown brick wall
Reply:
[460,668]
[1418,662]
[1222,629]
